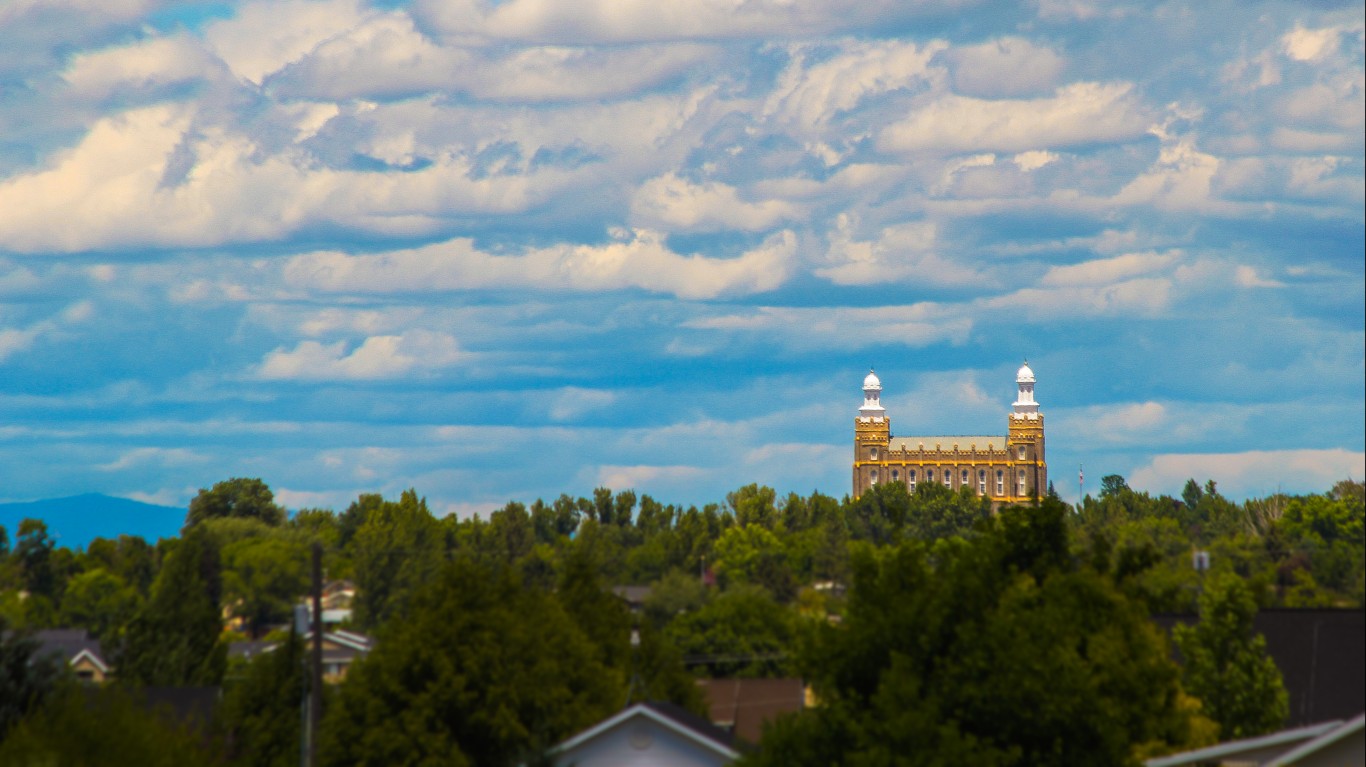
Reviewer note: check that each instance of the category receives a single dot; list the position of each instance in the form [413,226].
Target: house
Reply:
[80,651]
[340,650]
[648,735]
[744,706]
[1328,744]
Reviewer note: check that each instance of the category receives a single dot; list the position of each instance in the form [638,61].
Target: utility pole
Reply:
[315,677]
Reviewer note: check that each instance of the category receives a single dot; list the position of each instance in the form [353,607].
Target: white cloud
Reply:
[1252,473]
[572,402]
[846,328]
[902,252]
[1007,66]
[639,260]
[669,202]
[377,357]
[1129,298]
[1303,44]
[150,63]
[808,96]
[1081,113]
[153,455]
[644,477]
[635,20]
[1105,271]
[1034,159]
[264,36]
[1248,277]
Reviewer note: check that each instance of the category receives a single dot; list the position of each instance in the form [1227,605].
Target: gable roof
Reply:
[1352,727]
[667,715]
[1234,748]
[746,705]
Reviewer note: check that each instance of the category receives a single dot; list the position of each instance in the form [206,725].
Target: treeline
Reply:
[497,637]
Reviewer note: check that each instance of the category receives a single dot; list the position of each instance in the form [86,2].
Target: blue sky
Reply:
[500,251]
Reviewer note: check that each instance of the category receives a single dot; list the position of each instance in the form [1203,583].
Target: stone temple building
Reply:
[1007,469]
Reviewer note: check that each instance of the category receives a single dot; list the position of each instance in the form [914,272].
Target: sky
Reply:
[498,251]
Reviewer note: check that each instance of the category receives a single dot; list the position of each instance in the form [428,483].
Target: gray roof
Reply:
[996,442]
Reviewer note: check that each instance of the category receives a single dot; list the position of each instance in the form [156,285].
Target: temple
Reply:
[1007,469]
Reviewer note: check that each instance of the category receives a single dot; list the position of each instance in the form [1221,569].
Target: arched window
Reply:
[873,477]
[966,482]
[982,481]
[1021,483]
[1022,452]
[1000,482]
[895,475]
[929,475]
[910,479]
[948,477]
[872,453]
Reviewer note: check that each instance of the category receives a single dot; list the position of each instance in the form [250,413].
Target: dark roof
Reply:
[691,722]
[1321,654]
[746,705]
[68,643]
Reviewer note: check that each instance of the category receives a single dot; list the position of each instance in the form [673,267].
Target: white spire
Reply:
[1025,406]
[872,394]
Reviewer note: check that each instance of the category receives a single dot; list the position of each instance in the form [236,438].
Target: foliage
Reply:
[261,710]
[741,633]
[480,670]
[1226,663]
[262,578]
[239,497]
[104,726]
[992,650]
[27,678]
[173,639]
[99,601]
[397,548]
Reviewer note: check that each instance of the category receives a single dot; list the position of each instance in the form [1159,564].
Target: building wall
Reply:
[1020,455]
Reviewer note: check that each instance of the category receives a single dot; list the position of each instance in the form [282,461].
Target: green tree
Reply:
[937,512]
[261,709]
[98,601]
[262,579]
[105,726]
[1226,663]
[993,650]
[479,671]
[741,633]
[753,554]
[174,639]
[33,553]
[398,547]
[239,497]
[27,677]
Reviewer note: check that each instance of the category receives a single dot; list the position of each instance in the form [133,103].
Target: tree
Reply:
[996,649]
[104,726]
[262,578]
[753,554]
[1226,663]
[173,639]
[741,633]
[1112,484]
[27,677]
[397,548]
[261,710]
[33,552]
[239,497]
[479,671]
[98,601]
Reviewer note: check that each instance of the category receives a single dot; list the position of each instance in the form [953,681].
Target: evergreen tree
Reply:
[174,638]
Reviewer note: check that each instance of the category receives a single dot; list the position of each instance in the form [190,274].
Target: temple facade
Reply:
[1007,469]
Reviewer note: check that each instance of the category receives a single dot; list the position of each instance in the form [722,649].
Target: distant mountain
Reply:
[76,520]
